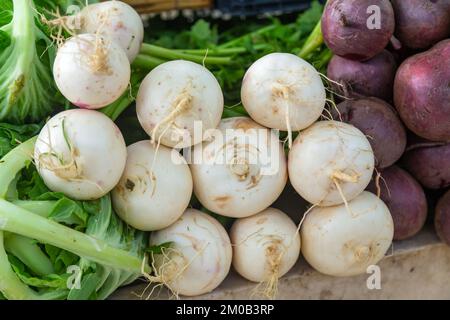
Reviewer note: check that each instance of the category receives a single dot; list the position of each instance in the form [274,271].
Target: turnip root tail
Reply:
[342,176]
[61,24]
[269,287]
[283,92]
[167,268]
[182,104]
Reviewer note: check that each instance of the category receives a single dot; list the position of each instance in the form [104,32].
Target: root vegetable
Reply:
[117,21]
[340,241]
[282,91]
[422,93]
[429,164]
[345,27]
[442,218]
[266,247]
[331,162]
[199,257]
[242,171]
[357,79]
[405,198]
[155,188]
[173,97]
[380,123]
[91,72]
[80,153]
[421,23]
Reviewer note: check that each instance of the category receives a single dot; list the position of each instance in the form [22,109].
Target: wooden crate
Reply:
[150,6]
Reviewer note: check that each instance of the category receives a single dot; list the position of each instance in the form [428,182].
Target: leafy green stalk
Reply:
[152,50]
[17,220]
[10,285]
[313,42]
[27,89]
[27,251]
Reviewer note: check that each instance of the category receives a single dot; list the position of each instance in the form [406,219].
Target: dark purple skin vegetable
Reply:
[442,218]
[346,32]
[421,23]
[405,199]
[371,78]
[377,120]
[422,92]
[429,163]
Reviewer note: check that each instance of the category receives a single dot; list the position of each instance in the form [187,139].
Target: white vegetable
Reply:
[265,246]
[242,171]
[91,72]
[328,158]
[344,242]
[80,153]
[173,96]
[282,91]
[199,257]
[117,21]
[155,188]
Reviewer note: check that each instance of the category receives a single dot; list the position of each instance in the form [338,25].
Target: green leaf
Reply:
[5,40]
[61,259]
[48,281]
[69,212]
[11,135]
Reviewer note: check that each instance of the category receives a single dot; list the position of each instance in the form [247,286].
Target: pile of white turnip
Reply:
[237,167]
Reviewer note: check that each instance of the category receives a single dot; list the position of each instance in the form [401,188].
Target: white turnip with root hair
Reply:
[265,247]
[91,72]
[173,97]
[80,153]
[117,21]
[199,256]
[345,241]
[330,163]
[242,171]
[154,190]
[282,91]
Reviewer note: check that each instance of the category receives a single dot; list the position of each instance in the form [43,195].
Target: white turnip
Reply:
[282,91]
[80,153]
[265,247]
[330,163]
[345,241]
[199,256]
[240,172]
[117,21]
[154,190]
[91,72]
[174,97]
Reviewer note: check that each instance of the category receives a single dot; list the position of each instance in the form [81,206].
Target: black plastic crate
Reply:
[257,7]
